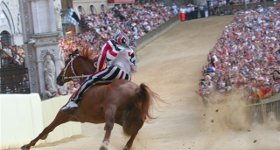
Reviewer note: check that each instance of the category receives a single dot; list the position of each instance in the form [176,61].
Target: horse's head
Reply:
[76,67]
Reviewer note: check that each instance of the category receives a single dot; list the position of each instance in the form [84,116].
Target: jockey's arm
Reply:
[107,49]
[132,58]
[101,58]
[133,61]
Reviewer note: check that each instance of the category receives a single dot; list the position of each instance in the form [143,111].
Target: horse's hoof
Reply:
[104,145]
[126,148]
[44,137]
[103,148]
[25,147]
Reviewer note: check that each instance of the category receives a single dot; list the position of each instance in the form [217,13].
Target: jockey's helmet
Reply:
[121,39]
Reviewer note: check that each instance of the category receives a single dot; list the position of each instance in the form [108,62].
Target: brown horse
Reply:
[122,102]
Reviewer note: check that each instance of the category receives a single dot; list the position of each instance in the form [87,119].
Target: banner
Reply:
[72,17]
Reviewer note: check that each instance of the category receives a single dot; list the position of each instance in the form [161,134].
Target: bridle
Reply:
[70,64]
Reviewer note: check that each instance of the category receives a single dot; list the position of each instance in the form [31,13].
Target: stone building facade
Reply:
[41,25]
[10,22]
[37,26]
[89,6]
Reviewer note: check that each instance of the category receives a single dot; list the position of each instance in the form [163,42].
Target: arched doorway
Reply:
[92,9]
[102,7]
[5,38]
[13,74]
[81,10]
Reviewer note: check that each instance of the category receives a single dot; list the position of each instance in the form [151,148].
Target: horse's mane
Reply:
[88,52]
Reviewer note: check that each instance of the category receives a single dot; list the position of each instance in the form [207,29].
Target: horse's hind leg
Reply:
[133,135]
[130,141]
[60,118]
[109,124]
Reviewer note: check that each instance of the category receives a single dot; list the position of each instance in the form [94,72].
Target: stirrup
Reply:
[70,106]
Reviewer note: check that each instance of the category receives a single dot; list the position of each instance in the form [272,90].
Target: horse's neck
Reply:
[87,66]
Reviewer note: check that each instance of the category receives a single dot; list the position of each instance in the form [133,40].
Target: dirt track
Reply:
[171,66]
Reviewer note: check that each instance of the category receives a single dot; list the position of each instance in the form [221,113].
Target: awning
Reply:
[121,1]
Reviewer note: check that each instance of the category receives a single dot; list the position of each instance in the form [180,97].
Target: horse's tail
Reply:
[145,98]
[140,110]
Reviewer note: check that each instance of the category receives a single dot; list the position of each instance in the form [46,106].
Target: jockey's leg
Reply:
[108,74]
[73,102]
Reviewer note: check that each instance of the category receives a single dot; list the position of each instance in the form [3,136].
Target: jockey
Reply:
[120,62]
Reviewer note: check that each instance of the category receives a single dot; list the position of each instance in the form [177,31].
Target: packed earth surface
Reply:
[171,66]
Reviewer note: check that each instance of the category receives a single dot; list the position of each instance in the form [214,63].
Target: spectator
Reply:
[247,55]
[174,9]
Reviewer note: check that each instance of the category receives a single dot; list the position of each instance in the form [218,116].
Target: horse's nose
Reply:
[59,81]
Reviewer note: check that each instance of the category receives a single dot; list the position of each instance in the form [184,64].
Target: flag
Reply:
[72,17]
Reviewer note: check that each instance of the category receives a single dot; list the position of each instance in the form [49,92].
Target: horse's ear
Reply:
[76,52]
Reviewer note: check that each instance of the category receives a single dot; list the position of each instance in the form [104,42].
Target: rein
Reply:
[70,63]
[77,77]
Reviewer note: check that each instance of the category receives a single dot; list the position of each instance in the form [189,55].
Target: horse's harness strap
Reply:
[75,77]
[67,65]
[72,69]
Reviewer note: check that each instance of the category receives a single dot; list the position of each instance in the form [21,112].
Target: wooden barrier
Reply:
[260,112]
[23,117]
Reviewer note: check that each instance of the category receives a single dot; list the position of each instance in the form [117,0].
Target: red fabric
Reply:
[182,16]
[121,75]
[106,48]
[119,40]
[103,57]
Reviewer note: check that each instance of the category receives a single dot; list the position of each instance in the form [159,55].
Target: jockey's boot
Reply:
[71,105]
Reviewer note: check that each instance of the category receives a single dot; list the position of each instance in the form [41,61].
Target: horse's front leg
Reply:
[60,118]
[109,124]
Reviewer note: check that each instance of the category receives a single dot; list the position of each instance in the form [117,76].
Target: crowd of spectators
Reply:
[12,60]
[246,57]
[228,7]
[15,55]
[134,20]
[72,42]
[131,19]
[219,3]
